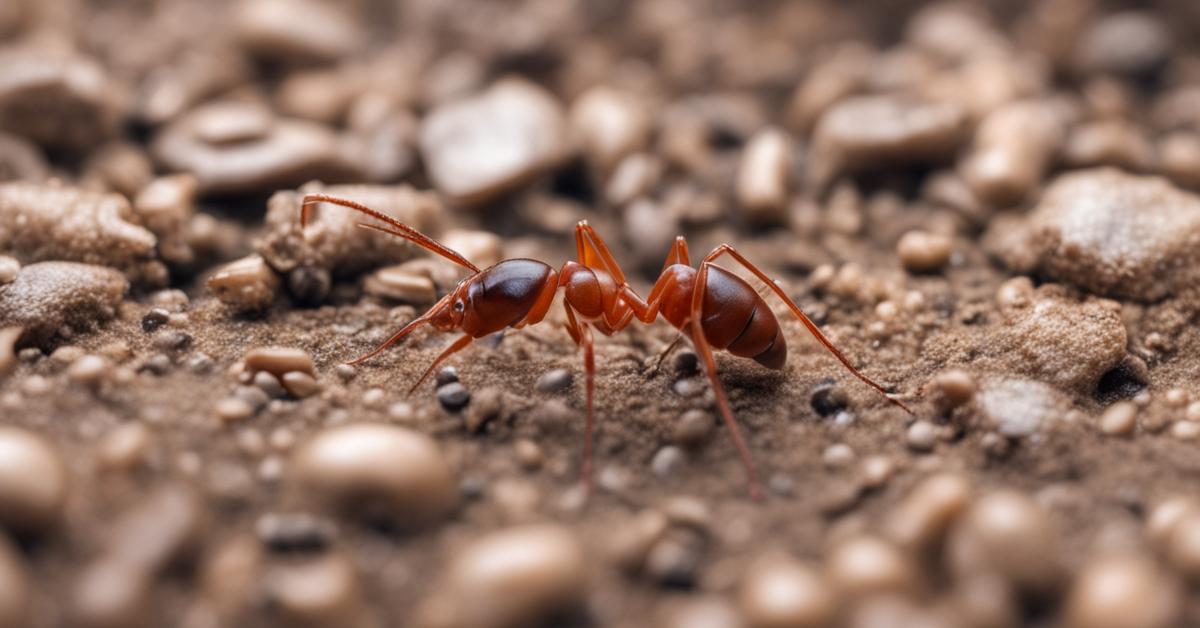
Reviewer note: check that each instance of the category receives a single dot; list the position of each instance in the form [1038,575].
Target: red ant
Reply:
[712,306]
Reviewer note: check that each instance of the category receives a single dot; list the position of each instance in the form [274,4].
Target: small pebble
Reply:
[667,461]
[837,456]
[279,360]
[300,384]
[445,375]
[828,398]
[553,381]
[89,369]
[529,454]
[232,409]
[379,472]
[33,482]
[1006,533]
[780,592]
[924,252]
[1119,419]
[247,285]
[269,384]
[762,179]
[155,318]
[922,436]
[125,447]
[1123,591]
[693,428]
[321,591]
[453,396]
[952,389]
[865,565]
[514,577]
[921,520]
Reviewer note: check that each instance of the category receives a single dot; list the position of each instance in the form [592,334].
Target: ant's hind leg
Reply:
[804,319]
[582,335]
[710,367]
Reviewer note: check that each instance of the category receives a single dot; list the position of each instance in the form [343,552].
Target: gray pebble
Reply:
[667,461]
[453,396]
[556,380]
[447,375]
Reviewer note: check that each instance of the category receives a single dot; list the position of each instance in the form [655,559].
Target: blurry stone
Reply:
[1123,591]
[700,611]
[1062,341]
[1006,533]
[41,222]
[8,349]
[513,577]
[763,177]
[320,591]
[164,206]
[924,252]
[952,388]
[919,522]
[1014,146]
[21,160]
[158,530]
[174,86]
[954,31]
[296,31]
[1116,143]
[110,594]
[33,482]
[870,132]
[1119,419]
[392,282]
[9,268]
[1117,234]
[483,248]
[332,242]
[609,125]
[1020,407]
[56,98]
[633,177]
[124,447]
[1125,42]
[119,166]
[1179,158]
[300,384]
[1165,515]
[481,147]
[247,285]
[866,565]
[47,296]
[237,148]
[779,592]
[380,472]
[838,76]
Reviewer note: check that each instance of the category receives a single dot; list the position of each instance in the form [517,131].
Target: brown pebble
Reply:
[300,384]
[57,98]
[609,124]
[320,591]
[89,369]
[231,409]
[529,454]
[1013,148]
[1123,591]
[513,577]
[1008,534]
[480,147]
[246,285]
[763,177]
[9,267]
[397,284]
[865,565]
[8,352]
[1165,515]
[951,389]
[924,252]
[124,447]
[481,247]
[1119,419]
[376,471]
[279,360]
[295,31]
[920,521]
[631,541]
[111,594]
[780,592]
[33,482]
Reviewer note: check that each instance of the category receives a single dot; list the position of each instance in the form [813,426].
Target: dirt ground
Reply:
[1041,327]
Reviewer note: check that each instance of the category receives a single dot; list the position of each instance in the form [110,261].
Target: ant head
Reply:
[448,314]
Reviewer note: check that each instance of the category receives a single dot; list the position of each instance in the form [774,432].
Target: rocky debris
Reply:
[117,166]
[278,361]
[1005,533]
[924,252]
[246,285]
[1013,148]
[870,132]
[41,222]
[164,206]
[951,389]
[1123,43]
[920,522]
[333,244]
[1179,158]
[1123,590]
[1020,407]
[866,565]
[396,283]
[296,31]
[33,482]
[323,590]
[47,297]
[780,592]
[763,179]
[235,147]
[379,472]
[1060,340]
[8,348]
[609,124]
[1114,234]
[843,72]
[478,148]
[1111,142]
[56,98]
[9,267]
[514,577]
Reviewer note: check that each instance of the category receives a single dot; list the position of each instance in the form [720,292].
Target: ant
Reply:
[712,306]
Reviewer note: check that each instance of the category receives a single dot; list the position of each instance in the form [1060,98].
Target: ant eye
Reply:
[458,306]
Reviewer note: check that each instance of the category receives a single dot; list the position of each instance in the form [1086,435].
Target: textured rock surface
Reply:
[48,295]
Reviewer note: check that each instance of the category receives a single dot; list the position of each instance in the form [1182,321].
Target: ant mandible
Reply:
[712,306]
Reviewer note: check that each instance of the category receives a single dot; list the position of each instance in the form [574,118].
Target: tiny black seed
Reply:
[154,319]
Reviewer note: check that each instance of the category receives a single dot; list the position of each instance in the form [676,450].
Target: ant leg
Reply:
[811,326]
[458,345]
[582,335]
[647,310]
[662,355]
[594,253]
[710,367]
[404,331]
